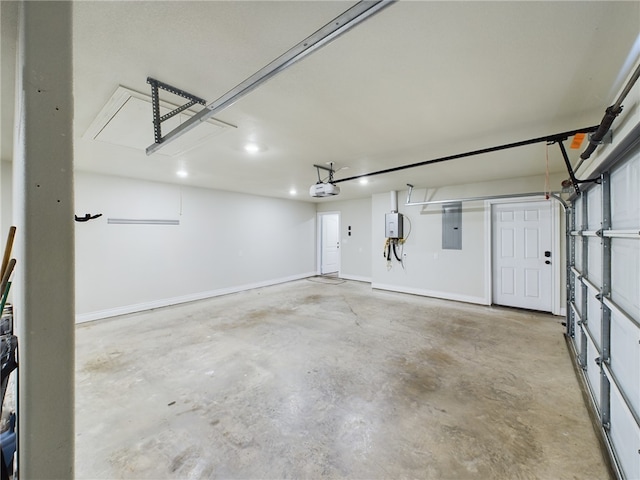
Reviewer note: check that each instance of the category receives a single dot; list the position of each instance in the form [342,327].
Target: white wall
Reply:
[6,193]
[355,250]
[6,209]
[229,242]
[462,275]
[225,242]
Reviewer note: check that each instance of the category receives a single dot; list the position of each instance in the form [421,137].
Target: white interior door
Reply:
[522,255]
[330,243]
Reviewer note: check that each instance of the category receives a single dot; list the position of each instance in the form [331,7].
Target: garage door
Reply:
[604,304]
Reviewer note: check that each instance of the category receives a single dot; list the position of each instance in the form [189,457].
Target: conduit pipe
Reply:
[394,201]
[555,195]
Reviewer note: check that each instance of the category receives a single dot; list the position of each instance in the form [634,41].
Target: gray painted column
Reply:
[43,212]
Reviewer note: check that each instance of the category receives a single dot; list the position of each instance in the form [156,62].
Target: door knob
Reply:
[547,262]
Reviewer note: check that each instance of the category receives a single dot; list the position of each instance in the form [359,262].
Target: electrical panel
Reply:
[393,225]
[452,226]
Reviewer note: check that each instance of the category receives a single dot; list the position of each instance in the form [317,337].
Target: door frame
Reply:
[319,216]
[558,256]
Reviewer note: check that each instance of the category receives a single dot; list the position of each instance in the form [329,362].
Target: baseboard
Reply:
[165,302]
[431,293]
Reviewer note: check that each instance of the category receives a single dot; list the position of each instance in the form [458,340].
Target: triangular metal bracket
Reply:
[155,101]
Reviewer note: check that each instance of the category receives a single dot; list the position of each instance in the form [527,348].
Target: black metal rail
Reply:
[557,137]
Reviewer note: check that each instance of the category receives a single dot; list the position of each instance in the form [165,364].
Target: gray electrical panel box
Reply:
[393,225]
[452,226]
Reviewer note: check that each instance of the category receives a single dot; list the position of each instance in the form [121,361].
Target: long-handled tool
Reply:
[8,357]
[5,284]
[7,250]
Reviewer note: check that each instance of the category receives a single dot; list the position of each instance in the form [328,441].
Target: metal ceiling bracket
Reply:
[574,181]
[572,175]
[332,30]
[155,101]
[607,138]
[330,170]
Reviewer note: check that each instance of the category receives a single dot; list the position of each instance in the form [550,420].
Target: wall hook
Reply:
[87,217]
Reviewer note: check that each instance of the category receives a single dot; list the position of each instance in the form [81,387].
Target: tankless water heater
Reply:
[393,225]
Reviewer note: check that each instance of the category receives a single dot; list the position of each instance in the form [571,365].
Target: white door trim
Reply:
[558,256]
[319,216]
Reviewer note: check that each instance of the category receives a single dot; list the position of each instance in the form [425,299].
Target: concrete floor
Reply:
[320,379]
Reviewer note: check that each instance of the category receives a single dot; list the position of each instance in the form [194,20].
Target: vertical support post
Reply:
[570,220]
[605,331]
[155,101]
[43,212]
[584,307]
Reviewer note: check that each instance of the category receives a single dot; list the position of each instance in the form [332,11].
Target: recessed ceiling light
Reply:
[252,148]
[364,181]
[292,191]
[182,173]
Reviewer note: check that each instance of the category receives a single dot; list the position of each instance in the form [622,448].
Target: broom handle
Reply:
[7,251]
[6,276]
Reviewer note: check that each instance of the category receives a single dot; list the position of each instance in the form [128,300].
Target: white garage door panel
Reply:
[625,276]
[594,320]
[619,266]
[625,356]
[578,261]
[593,371]
[578,334]
[595,261]
[594,205]
[578,297]
[625,436]
[625,200]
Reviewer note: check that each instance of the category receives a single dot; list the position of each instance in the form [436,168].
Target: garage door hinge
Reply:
[579,362]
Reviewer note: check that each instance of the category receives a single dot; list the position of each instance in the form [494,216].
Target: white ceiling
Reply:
[417,81]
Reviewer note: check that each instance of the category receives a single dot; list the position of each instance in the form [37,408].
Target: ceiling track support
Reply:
[332,30]
[328,169]
[548,138]
[574,181]
[156,85]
